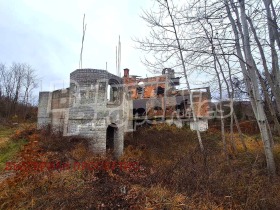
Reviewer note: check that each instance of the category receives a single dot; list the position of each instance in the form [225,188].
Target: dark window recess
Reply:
[157,108]
[139,90]
[102,85]
[160,90]
[175,81]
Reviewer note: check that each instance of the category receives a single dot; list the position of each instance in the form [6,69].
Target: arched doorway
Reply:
[111,135]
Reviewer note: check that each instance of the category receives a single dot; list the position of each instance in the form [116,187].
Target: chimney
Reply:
[126,73]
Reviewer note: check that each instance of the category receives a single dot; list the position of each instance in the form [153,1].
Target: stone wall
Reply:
[60,110]
[83,108]
[44,109]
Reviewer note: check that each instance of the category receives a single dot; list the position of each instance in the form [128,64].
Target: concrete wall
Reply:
[83,109]
[44,109]
[60,110]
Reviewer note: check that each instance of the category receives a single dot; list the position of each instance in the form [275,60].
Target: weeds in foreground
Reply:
[171,174]
[9,146]
[176,165]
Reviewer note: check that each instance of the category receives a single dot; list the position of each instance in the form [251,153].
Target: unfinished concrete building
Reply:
[102,106]
[83,109]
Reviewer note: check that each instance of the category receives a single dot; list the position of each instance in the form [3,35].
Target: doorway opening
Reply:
[111,135]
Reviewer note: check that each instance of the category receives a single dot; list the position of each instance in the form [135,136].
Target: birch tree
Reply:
[224,40]
[175,45]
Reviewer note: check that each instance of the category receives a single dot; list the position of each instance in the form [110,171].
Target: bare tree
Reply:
[29,83]
[16,85]
[18,72]
[171,43]
[214,38]
[2,73]
[249,72]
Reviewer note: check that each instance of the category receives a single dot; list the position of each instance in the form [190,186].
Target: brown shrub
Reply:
[24,132]
[172,175]
[248,127]
[176,164]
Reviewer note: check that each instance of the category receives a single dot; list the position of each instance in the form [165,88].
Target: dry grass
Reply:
[8,147]
[172,174]
[176,164]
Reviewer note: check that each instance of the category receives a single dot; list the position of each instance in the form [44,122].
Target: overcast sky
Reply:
[47,35]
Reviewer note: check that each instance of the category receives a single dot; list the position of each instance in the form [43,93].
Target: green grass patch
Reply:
[5,131]
[9,150]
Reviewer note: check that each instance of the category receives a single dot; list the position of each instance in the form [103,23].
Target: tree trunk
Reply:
[260,115]
[185,75]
